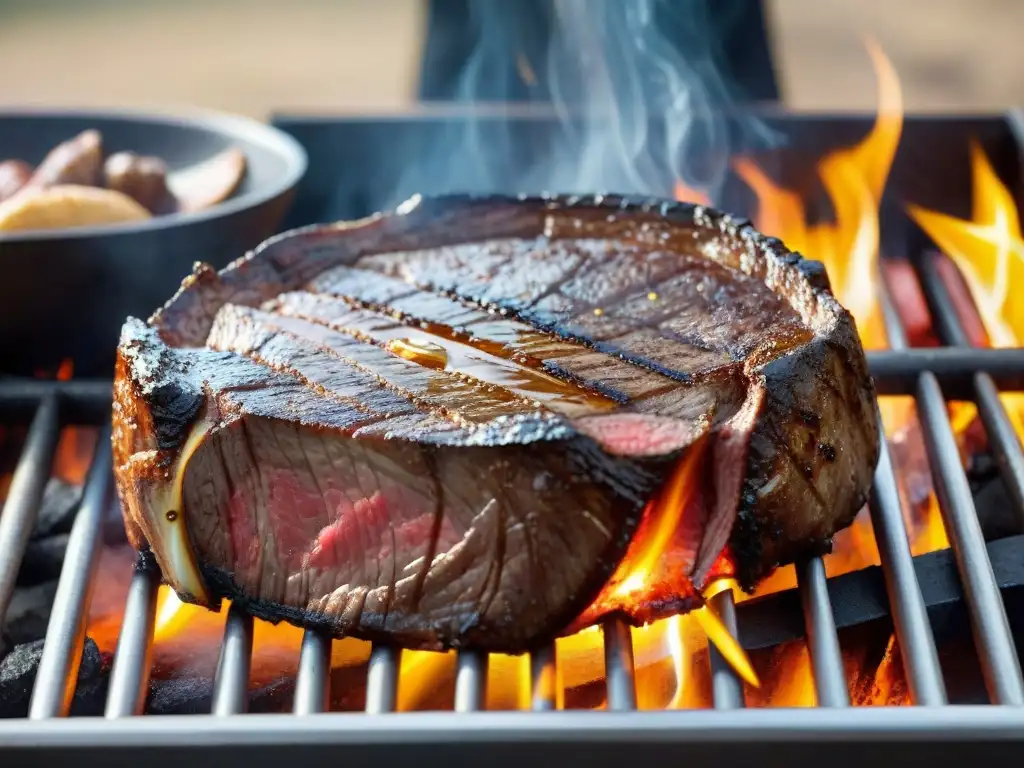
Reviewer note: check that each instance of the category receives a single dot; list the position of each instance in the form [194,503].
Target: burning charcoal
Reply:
[995,511]
[58,509]
[275,697]
[93,677]
[43,560]
[194,696]
[18,675]
[29,612]
[348,689]
[981,470]
[180,696]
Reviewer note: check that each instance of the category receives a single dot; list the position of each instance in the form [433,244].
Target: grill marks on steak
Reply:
[677,313]
[344,366]
[486,500]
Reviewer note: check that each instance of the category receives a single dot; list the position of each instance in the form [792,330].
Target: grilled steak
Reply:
[485,422]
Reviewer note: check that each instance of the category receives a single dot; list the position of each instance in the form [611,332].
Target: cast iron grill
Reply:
[955,371]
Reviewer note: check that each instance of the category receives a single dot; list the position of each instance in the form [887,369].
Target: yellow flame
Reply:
[726,644]
[854,179]
[635,573]
[989,252]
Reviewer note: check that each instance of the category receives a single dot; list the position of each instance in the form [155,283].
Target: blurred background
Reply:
[258,56]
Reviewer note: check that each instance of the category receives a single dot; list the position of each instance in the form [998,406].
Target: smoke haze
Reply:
[633,89]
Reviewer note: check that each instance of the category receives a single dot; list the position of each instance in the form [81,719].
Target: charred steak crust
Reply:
[784,389]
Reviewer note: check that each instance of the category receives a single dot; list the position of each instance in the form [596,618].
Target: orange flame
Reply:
[989,251]
[188,637]
[687,194]
[74,448]
[854,179]
[639,567]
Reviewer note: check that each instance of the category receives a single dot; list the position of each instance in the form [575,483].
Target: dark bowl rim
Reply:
[226,124]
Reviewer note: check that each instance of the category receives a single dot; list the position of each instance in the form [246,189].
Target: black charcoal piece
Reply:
[93,677]
[194,696]
[29,612]
[180,696]
[43,560]
[277,696]
[58,509]
[18,675]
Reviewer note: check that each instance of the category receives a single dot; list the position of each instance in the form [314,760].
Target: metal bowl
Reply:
[65,293]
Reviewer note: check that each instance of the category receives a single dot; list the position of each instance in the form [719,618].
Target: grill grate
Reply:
[929,375]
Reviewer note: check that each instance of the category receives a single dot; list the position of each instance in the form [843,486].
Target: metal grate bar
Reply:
[313,680]
[231,684]
[81,400]
[882,736]
[1002,437]
[544,679]
[25,495]
[726,686]
[618,666]
[382,679]
[910,616]
[129,677]
[471,681]
[822,640]
[992,636]
[1003,440]
[895,370]
[65,634]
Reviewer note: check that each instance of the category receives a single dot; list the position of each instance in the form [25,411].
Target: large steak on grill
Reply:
[457,424]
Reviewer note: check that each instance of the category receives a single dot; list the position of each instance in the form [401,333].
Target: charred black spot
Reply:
[162,377]
[808,471]
[827,451]
[746,543]
[174,405]
[146,562]
[810,418]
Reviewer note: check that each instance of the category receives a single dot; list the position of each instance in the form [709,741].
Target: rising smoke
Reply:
[631,92]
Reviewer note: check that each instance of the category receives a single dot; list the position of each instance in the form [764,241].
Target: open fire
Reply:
[671,655]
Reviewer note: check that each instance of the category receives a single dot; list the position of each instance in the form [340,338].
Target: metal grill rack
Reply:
[738,736]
